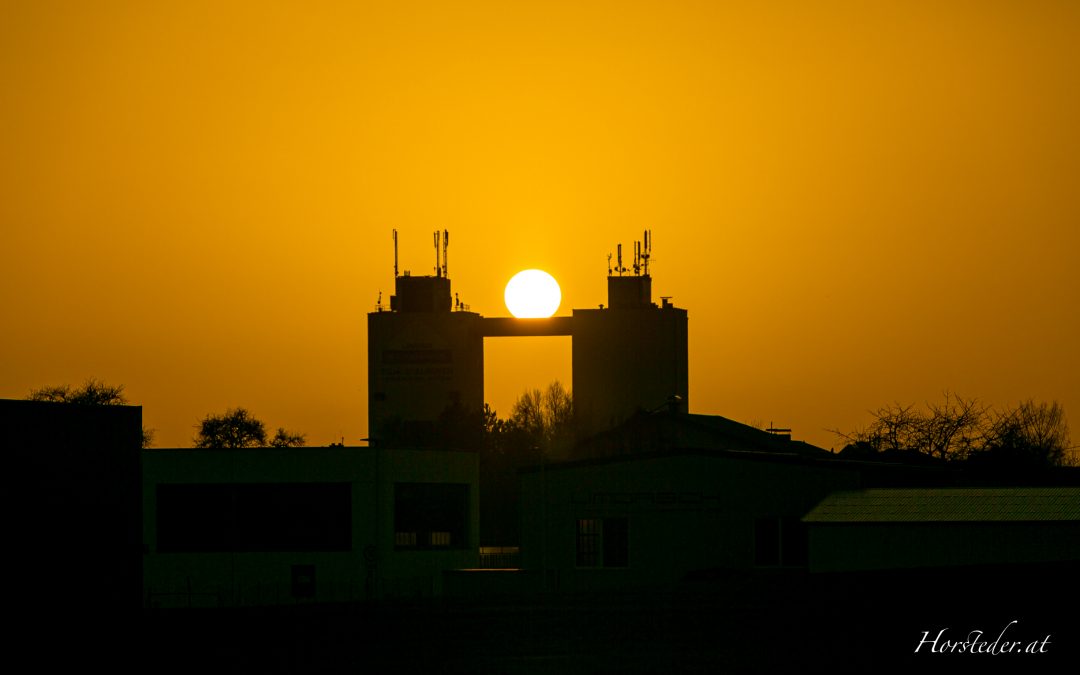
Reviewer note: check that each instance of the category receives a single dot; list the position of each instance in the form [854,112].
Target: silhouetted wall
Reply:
[625,360]
[264,526]
[72,520]
[421,364]
[653,519]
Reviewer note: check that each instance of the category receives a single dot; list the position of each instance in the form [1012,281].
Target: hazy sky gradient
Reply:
[858,203]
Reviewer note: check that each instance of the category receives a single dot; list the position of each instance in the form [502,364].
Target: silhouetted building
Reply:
[426,355]
[629,356]
[877,529]
[650,432]
[72,523]
[424,363]
[267,526]
[654,519]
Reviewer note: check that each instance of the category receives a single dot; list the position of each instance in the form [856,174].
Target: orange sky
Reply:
[858,203]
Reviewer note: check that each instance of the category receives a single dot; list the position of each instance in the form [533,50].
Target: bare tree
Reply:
[895,428]
[528,413]
[237,428]
[952,430]
[558,406]
[92,392]
[287,439]
[1032,434]
[546,417]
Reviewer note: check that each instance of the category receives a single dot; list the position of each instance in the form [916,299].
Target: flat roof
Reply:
[913,505]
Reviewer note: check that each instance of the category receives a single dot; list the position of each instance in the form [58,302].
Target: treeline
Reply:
[235,428]
[1031,435]
[540,425]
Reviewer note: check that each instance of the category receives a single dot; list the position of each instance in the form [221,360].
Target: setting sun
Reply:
[532,294]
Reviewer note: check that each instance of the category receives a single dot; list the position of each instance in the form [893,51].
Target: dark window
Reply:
[767,542]
[204,517]
[780,541]
[588,542]
[793,542]
[603,542]
[616,542]
[430,515]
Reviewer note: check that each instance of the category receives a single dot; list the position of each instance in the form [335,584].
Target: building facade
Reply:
[265,526]
[653,519]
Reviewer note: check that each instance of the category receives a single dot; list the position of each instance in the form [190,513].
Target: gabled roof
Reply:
[651,432]
[936,505]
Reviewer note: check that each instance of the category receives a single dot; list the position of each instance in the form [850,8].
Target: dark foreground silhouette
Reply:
[716,623]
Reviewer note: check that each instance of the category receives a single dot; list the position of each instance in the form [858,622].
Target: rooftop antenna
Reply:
[395,254]
[445,246]
[647,252]
[438,263]
[619,266]
[609,264]
[637,258]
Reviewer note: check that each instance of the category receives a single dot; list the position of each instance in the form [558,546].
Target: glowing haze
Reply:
[858,203]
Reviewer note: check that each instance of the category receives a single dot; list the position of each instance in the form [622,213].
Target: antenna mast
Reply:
[619,266]
[445,246]
[438,263]
[647,253]
[395,254]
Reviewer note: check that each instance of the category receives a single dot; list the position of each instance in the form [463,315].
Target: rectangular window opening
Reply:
[264,517]
[603,542]
[588,543]
[431,515]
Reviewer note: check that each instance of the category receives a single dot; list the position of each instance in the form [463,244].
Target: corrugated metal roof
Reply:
[948,505]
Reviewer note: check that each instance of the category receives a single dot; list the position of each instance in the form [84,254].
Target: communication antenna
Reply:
[609,264]
[647,252]
[438,263]
[637,258]
[445,246]
[395,254]
[619,266]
